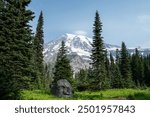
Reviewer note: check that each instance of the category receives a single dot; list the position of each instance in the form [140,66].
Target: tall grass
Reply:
[112,94]
[37,95]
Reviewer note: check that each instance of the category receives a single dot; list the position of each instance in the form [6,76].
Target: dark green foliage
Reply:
[117,57]
[146,62]
[38,49]
[125,67]
[137,69]
[62,69]
[108,72]
[21,58]
[15,48]
[116,81]
[112,62]
[48,75]
[82,80]
[1,6]
[98,81]
[139,96]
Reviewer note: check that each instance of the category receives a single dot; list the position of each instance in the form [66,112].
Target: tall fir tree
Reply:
[116,81]
[117,57]
[98,81]
[108,72]
[15,48]
[62,69]
[48,75]
[38,49]
[146,62]
[137,67]
[81,80]
[125,67]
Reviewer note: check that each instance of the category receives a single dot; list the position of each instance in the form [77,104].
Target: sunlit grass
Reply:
[112,94]
[38,95]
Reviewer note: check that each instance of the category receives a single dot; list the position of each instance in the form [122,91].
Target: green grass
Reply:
[37,95]
[112,94]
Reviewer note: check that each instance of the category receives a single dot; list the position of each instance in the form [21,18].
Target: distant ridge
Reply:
[78,50]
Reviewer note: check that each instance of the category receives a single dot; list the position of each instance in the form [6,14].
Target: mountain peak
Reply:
[78,49]
[69,36]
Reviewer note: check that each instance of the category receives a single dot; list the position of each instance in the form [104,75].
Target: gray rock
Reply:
[62,88]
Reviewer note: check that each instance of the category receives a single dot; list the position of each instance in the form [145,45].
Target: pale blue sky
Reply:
[123,20]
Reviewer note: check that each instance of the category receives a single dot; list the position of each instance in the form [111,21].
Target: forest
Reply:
[25,75]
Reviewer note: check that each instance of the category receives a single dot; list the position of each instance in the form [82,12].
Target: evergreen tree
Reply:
[81,80]
[62,66]
[38,48]
[15,48]
[48,76]
[117,57]
[125,67]
[137,69]
[1,6]
[146,62]
[108,72]
[98,81]
[115,74]
[112,62]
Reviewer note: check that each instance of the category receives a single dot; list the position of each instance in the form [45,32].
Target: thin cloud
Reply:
[144,18]
[80,32]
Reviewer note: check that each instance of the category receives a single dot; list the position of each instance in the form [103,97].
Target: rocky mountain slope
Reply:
[78,50]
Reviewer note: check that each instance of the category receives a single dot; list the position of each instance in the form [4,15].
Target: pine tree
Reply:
[38,49]
[62,66]
[146,62]
[117,57]
[125,67]
[108,72]
[81,80]
[1,6]
[115,74]
[15,48]
[112,62]
[112,65]
[48,76]
[98,81]
[137,68]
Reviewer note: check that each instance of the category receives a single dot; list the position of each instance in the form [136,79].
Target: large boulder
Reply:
[62,88]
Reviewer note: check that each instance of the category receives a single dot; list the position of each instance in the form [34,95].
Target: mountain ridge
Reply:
[78,50]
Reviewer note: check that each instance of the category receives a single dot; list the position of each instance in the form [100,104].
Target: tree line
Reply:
[123,71]
[105,72]
[22,66]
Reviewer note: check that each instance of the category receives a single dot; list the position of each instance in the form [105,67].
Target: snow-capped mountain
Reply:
[78,50]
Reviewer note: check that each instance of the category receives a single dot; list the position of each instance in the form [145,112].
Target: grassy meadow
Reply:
[112,94]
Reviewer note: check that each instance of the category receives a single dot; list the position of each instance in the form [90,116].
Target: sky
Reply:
[123,20]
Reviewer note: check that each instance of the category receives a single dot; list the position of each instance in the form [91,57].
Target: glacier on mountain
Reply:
[78,50]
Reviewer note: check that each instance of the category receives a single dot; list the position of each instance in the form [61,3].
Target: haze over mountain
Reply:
[79,50]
